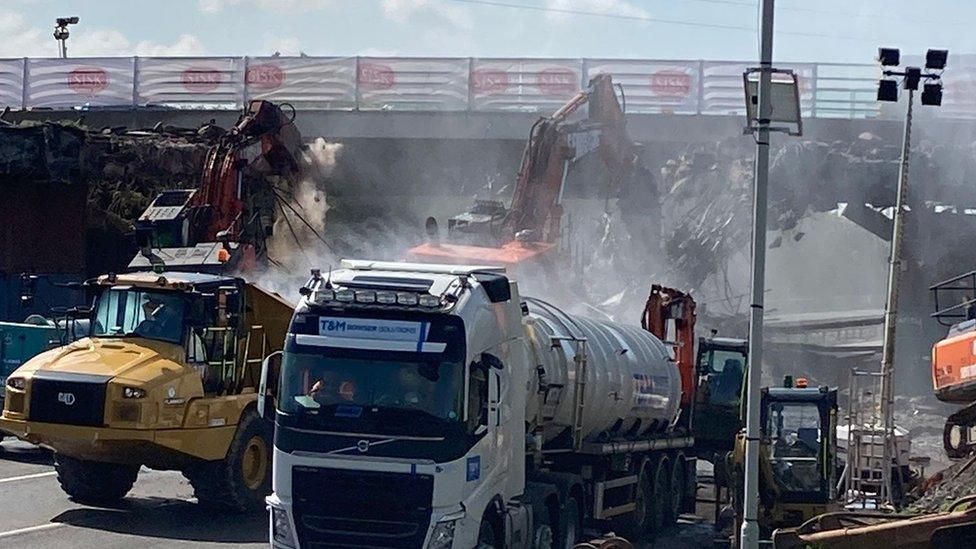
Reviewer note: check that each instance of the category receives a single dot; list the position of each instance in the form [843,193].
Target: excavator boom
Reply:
[531,226]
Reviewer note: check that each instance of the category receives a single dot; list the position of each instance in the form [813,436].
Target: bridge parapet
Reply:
[480,85]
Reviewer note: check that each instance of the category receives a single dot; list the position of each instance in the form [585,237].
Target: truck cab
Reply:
[721,364]
[165,378]
[402,379]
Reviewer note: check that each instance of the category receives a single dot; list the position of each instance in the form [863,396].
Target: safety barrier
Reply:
[435,84]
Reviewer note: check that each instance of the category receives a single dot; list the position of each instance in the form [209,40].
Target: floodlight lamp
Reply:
[936,59]
[912,77]
[889,57]
[932,94]
[888,90]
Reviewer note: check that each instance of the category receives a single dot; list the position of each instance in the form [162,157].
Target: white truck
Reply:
[432,406]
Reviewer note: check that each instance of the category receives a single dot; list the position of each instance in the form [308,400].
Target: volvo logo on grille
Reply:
[66,398]
[363,446]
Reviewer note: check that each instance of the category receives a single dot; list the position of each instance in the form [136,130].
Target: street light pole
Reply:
[749,535]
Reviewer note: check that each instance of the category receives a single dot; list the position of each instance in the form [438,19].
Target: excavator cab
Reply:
[721,366]
[799,437]
[797,456]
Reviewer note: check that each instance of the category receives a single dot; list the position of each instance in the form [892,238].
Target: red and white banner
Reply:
[652,86]
[180,80]
[11,83]
[430,84]
[523,84]
[78,82]
[309,82]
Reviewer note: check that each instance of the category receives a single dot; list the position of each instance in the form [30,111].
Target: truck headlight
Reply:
[17,383]
[132,392]
[443,535]
[281,528]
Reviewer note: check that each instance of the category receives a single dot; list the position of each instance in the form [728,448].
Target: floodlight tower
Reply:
[935,63]
[61,33]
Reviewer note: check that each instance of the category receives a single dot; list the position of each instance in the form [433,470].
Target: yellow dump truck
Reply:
[167,379]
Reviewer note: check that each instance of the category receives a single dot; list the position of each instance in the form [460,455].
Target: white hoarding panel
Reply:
[304,82]
[652,86]
[428,84]
[958,86]
[524,84]
[210,81]
[75,82]
[11,83]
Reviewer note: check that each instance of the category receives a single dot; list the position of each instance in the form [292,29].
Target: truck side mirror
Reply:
[264,399]
[492,361]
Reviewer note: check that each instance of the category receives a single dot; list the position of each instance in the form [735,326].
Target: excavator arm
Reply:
[531,226]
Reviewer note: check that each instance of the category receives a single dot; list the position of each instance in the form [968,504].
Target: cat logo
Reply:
[66,398]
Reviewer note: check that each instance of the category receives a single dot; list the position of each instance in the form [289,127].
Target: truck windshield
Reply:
[360,388]
[141,313]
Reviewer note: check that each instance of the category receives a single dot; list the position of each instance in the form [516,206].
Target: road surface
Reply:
[159,512]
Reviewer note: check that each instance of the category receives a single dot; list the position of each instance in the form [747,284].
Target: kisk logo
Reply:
[474,468]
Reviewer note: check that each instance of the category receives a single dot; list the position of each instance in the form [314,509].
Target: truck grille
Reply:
[68,399]
[340,508]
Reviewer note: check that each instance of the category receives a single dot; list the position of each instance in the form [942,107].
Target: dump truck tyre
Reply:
[93,481]
[239,482]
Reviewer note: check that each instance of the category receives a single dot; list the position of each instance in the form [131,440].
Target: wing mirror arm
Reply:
[263,397]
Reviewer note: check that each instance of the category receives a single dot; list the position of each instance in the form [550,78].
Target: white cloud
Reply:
[20,39]
[400,11]
[213,6]
[23,40]
[609,7]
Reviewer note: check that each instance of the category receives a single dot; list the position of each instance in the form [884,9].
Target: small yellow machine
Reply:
[167,379]
[798,454]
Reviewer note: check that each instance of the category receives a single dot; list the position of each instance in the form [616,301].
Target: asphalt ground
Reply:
[159,512]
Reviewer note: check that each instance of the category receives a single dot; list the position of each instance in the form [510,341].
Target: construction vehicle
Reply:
[166,379]
[449,411]
[718,415]
[954,360]
[530,229]
[955,527]
[222,226]
[167,376]
[797,457]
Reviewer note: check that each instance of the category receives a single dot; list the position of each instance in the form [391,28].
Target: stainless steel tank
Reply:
[631,385]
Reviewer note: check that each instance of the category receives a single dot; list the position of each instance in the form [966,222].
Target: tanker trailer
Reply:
[431,406]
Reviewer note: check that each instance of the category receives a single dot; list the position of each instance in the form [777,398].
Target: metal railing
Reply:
[679,87]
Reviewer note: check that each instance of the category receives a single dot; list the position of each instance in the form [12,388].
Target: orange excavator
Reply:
[954,360]
[222,225]
[530,229]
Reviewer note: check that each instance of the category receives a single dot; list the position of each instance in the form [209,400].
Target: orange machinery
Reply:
[219,227]
[531,227]
[954,360]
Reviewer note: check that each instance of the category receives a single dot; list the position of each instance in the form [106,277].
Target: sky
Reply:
[844,31]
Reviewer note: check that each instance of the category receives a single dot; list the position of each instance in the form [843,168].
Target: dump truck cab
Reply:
[166,379]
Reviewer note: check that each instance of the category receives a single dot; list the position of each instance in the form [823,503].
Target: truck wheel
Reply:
[569,517]
[638,524]
[660,498]
[487,535]
[677,490]
[93,481]
[239,482]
